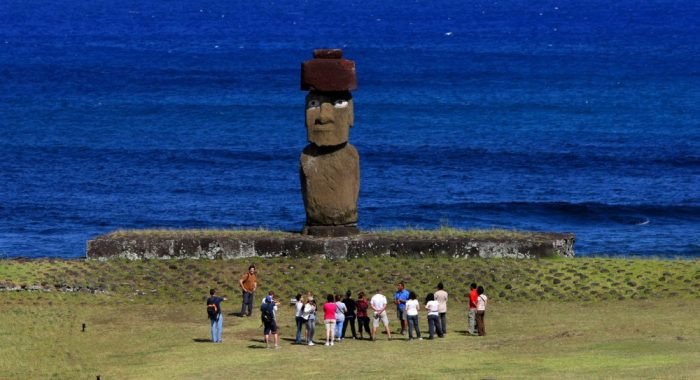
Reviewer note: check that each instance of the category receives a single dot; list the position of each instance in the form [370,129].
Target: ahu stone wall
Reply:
[142,246]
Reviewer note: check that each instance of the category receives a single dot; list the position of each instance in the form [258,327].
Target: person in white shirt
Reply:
[433,316]
[298,311]
[441,298]
[309,316]
[340,311]
[481,310]
[412,307]
[378,304]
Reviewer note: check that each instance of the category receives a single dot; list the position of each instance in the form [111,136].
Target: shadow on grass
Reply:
[256,346]
[200,340]
[464,332]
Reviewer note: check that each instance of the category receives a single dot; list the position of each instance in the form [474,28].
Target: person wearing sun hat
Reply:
[268,314]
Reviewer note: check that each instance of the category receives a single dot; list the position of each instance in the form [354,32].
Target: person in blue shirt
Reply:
[400,298]
[217,320]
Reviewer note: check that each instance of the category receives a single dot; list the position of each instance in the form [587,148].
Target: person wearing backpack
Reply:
[267,314]
[216,317]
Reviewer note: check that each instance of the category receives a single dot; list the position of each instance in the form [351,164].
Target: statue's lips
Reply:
[328,127]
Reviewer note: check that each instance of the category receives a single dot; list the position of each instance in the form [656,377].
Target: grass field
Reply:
[603,318]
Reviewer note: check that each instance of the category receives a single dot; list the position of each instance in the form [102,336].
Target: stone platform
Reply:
[137,244]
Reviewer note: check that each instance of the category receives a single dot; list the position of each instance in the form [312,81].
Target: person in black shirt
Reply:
[349,315]
[217,322]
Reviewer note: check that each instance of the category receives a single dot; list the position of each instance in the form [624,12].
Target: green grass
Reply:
[506,280]
[603,318]
[42,338]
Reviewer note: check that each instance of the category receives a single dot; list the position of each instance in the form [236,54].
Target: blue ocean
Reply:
[572,116]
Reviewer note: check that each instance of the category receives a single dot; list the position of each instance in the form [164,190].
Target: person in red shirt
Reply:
[362,317]
[473,297]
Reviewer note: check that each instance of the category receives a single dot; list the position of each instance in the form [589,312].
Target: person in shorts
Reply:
[267,311]
[378,304]
[329,309]
[400,298]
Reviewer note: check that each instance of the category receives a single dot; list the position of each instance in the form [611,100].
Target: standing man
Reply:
[349,315]
[248,283]
[400,298]
[216,317]
[473,297]
[441,298]
[378,304]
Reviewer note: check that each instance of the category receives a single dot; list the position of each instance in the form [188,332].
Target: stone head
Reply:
[329,108]
[329,117]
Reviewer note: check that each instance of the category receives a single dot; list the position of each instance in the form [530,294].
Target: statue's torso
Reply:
[330,185]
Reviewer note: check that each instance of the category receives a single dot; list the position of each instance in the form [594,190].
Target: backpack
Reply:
[212,311]
[267,314]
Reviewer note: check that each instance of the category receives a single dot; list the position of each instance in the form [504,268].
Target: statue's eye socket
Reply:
[340,103]
[314,103]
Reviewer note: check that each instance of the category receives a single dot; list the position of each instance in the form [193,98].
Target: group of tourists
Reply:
[340,311]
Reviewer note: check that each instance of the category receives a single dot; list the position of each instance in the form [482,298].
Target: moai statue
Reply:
[329,165]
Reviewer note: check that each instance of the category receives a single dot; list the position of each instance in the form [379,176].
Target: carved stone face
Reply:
[329,117]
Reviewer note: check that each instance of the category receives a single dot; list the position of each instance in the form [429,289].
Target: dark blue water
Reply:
[562,116]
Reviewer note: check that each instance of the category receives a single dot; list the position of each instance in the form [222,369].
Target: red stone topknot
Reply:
[328,72]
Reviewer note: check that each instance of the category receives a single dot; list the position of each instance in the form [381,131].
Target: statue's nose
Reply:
[326,114]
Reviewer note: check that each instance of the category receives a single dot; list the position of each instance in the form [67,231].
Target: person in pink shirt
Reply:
[329,309]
